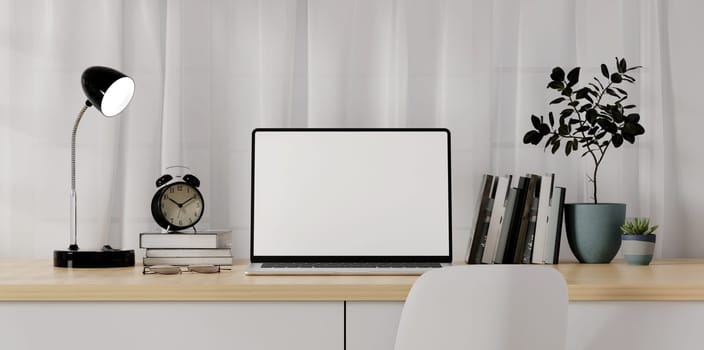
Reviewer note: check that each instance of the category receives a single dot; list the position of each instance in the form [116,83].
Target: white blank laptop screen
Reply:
[351,193]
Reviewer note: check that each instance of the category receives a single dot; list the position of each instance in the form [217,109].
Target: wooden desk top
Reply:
[38,280]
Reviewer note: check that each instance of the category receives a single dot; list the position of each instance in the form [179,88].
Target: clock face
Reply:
[180,205]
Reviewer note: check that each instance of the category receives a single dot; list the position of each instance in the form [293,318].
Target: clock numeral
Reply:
[179,188]
[180,222]
[171,190]
[188,190]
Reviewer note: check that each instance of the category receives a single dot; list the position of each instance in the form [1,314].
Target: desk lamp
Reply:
[110,92]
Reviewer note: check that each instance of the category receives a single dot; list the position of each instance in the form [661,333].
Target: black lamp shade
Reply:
[107,89]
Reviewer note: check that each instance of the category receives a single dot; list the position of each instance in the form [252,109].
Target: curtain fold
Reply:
[208,72]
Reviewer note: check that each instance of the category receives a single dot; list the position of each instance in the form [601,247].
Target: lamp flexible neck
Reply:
[74,219]
[73,146]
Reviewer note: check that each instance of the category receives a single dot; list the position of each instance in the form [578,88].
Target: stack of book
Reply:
[175,248]
[517,225]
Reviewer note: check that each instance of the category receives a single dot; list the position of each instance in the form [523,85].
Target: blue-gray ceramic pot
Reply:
[638,249]
[594,230]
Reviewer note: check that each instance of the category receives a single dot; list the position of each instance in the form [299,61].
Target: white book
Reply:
[552,240]
[497,215]
[208,239]
[188,261]
[187,253]
[541,223]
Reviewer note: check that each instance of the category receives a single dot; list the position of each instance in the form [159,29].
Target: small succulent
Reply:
[638,226]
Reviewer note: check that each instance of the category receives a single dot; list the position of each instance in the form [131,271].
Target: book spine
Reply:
[497,214]
[516,219]
[506,223]
[525,229]
[552,242]
[187,261]
[530,234]
[483,205]
[541,223]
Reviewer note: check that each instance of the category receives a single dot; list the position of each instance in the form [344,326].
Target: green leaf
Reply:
[566,112]
[552,139]
[634,129]
[567,91]
[617,117]
[573,103]
[543,129]
[582,93]
[557,100]
[617,140]
[616,78]
[568,148]
[629,106]
[551,117]
[622,91]
[528,137]
[591,116]
[622,65]
[633,117]
[532,137]
[612,93]
[582,128]
[557,85]
[628,78]
[593,130]
[564,130]
[605,71]
[628,137]
[555,146]
[535,121]
[557,74]
[600,84]
[600,135]
[607,125]
[575,145]
[573,77]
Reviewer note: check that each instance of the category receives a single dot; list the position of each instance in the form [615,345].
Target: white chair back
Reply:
[487,307]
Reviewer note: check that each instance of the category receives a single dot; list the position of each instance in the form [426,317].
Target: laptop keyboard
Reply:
[351,265]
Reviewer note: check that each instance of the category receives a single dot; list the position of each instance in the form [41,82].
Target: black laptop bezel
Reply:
[343,259]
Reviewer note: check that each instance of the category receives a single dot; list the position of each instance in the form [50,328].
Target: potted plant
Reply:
[594,118]
[638,241]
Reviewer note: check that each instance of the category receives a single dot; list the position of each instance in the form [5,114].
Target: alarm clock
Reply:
[177,203]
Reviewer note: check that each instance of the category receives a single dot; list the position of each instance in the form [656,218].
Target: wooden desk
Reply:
[38,280]
[663,304]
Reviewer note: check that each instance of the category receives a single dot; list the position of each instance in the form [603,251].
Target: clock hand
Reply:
[175,202]
[188,200]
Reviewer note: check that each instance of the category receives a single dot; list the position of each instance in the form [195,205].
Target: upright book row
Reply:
[517,225]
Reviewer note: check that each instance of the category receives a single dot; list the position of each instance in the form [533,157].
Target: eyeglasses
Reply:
[174,270]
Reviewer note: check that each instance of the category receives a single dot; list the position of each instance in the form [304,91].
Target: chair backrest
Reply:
[488,307]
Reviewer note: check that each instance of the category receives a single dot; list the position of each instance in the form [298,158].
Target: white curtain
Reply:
[207,72]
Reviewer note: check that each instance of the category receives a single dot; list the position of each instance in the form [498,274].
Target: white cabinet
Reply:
[372,325]
[172,325]
[642,325]
[603,325]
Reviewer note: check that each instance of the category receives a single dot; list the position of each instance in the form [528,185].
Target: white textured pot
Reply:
[638,249]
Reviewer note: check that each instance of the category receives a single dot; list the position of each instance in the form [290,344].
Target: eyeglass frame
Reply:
[177,269]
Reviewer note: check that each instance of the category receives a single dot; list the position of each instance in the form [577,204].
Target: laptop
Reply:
[350,201]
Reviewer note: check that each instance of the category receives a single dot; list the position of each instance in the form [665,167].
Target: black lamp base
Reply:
[94,258]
